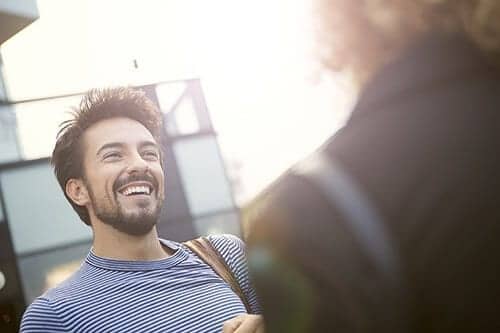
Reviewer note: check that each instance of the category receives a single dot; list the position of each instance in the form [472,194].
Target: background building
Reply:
[47,241]
[41,238]
[14,16]
[269,106]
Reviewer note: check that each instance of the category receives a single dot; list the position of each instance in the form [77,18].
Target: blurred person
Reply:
[108,162]
[393,224]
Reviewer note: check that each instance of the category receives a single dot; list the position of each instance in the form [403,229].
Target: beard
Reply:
[134,224]
[137,223]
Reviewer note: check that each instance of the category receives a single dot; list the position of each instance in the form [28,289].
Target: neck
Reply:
[114,244]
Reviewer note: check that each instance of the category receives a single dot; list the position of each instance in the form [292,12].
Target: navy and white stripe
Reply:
[177,294]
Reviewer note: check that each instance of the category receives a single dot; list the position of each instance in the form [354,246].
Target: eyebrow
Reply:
[111,145]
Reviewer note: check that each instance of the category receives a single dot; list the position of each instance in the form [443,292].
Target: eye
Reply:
[152,155]
[112,156]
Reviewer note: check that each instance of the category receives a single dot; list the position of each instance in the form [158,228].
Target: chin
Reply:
[137,223]
[136,230]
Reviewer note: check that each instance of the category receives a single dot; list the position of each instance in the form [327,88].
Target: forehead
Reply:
[115,130]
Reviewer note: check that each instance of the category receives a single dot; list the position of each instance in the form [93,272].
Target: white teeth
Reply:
[143,189]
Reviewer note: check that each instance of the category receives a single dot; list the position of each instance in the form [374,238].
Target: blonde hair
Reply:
[361,35]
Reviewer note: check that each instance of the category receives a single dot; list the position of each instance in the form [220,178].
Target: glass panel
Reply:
[3,96]
[198,100]
[39,215]
[224,223]
[182,120]
[203,176]
[171,124]
[168,94]
[44,270]
[8,140]
[35,140]
[186,118]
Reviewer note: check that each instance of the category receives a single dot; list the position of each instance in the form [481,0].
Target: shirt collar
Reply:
[139,265]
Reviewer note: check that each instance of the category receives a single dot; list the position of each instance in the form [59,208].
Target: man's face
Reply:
[123,175]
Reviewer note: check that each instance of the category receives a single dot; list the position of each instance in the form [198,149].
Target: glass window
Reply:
[169,94]
[36,140]
[203,175]
[8,138]
[224,223]
[186,118]
[38,214]
[44,270]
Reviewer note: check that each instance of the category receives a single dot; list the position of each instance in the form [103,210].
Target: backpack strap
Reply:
[208,253]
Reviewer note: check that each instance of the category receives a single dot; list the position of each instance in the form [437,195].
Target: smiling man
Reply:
[108,161]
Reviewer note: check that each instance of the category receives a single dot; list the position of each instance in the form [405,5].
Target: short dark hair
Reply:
[98,105]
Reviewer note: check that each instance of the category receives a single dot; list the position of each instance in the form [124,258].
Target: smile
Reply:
[136,189]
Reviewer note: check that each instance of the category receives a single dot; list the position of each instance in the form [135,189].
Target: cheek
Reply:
[160,177]
[102,178]
[106,183]
[109,188]
[161,181]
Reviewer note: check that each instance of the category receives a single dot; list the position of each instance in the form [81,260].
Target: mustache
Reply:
[136,177]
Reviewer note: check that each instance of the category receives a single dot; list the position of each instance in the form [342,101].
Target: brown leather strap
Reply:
[205,250]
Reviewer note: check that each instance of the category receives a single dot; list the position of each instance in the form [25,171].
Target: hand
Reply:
[245,323]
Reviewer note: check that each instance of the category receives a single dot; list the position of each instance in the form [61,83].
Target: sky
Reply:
[270,102]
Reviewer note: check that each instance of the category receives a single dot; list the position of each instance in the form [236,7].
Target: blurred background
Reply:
[238,82]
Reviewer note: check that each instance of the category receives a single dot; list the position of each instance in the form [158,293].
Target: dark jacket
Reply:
[422,144]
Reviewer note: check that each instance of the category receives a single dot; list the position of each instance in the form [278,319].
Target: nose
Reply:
[137,164]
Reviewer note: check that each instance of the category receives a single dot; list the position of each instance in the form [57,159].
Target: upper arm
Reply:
[233,250]
[41,317]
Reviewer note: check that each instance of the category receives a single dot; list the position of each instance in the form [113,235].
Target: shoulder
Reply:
[71,288]
[229,246]
[233,250]
[48,312]
[41,315]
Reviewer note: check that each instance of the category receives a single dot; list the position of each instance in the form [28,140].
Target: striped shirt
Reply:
[177,294]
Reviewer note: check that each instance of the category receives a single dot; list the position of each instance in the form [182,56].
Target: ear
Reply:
[77,191]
